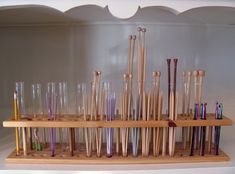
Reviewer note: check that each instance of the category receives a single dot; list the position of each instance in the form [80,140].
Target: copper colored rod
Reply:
[175,75]
[169,83]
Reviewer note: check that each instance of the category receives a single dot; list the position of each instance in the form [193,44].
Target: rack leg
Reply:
[210,138]
[24,141]
[71,141]
[117,140]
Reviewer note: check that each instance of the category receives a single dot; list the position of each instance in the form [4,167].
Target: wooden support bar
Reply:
[72,123]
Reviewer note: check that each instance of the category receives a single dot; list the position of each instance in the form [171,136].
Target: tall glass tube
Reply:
[63,98]
[38,134]
[51,103]
[62,111]
[19,87]
[80,94]
[110,101]
[81,90]
[37,99]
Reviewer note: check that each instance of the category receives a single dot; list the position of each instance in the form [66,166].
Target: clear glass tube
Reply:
[51,105]
[62,110]
[37,99]
[110,101]
[81,90]
[38,133]
[80,97]
[63,98]
[19,87]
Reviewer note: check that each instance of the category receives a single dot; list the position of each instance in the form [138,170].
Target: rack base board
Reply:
[43,157]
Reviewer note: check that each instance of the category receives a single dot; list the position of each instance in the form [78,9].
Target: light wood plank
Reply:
[73,122]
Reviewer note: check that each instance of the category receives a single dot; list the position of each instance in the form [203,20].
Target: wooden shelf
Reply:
[74,121]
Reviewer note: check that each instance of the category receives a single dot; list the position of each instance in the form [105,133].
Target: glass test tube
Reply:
[62,110]
[38,133]
[51,103]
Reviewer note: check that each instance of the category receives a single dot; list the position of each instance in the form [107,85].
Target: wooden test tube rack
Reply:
[74,121]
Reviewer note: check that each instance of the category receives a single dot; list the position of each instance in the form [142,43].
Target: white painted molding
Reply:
[120,8]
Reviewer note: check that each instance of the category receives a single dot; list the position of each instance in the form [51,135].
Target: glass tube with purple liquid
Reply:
[110,101]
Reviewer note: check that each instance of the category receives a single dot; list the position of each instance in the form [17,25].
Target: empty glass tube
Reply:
[62,111]
[51,105]
[80,106]
[38,133]
[19,87]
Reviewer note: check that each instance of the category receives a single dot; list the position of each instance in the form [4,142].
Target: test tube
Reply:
[37,111]
[51,103]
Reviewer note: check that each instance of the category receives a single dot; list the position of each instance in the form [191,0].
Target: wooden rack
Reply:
[74,121]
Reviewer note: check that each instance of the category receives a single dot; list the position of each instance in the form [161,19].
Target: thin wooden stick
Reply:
[196,100]
[154,97]
[195,74]
[129,53]
[175,118]
[132,54]
[87,143]
[189,74]
[201,74]
[144,116]
[16,116]
[101,109]
[171,129]
[160,97]
[144,68]
[148,129]
[183,92]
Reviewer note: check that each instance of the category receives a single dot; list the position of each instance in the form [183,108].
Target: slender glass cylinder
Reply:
[63,98]
[19,87]
[81,91]
[110,101]
[51,105]
[62,110]
[37,99]
[81,95]
[37,110]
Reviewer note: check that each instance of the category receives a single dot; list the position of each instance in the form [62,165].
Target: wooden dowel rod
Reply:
[195,73]
[129,53]
[184,91]
[16,117]
[189,74]
[201,74]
